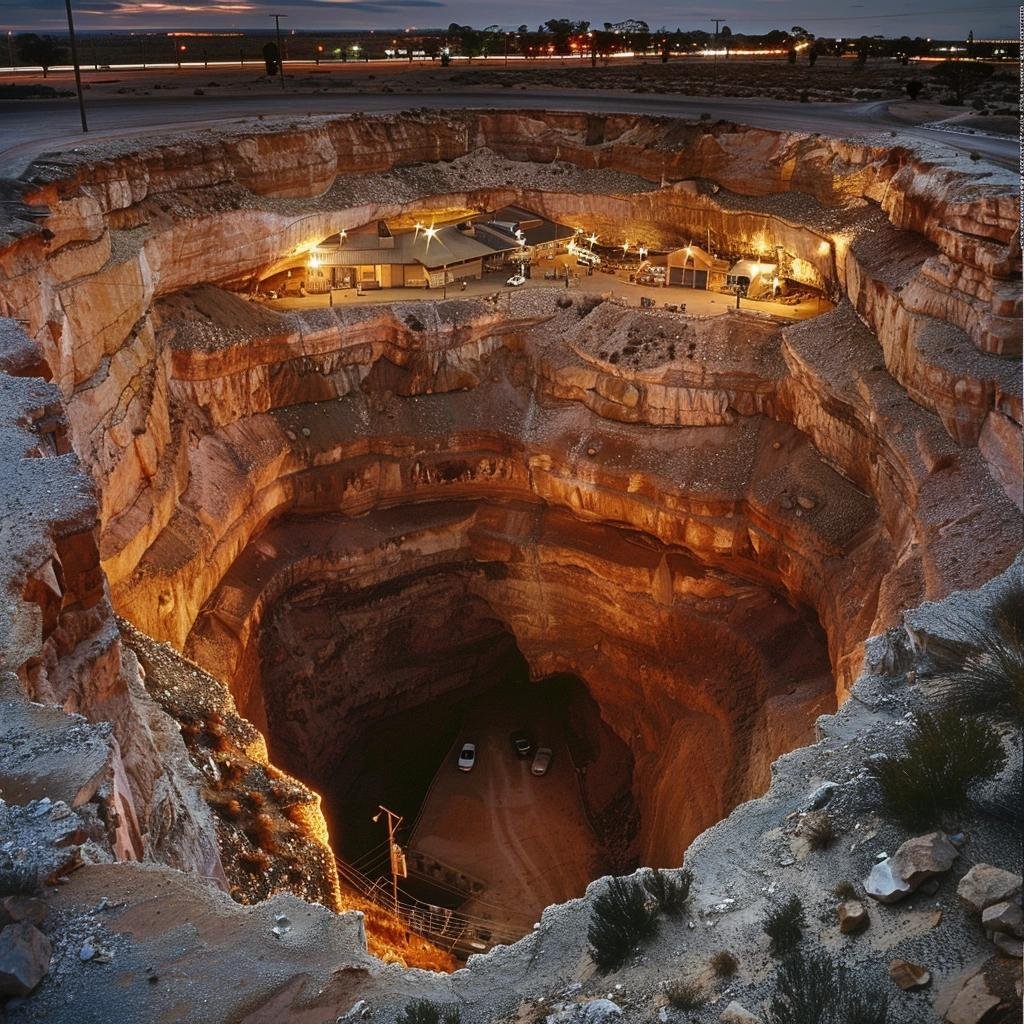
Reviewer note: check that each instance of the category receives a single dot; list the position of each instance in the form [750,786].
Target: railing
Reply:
[444,927]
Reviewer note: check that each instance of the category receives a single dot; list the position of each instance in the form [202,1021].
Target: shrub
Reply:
[811,989]
[818,830]
[423,1011]
[685,995]
[845,890]
[986,671]
[669,890]
[784,926]
[914,88]
[944,755]
[724,964]
[620,921]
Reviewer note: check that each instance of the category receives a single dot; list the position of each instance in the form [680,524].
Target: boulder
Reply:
[597,1011]
[1004,918]
[1008,945]
[906,975]
[736,1013]
[853,917]
[820,796]
[883,885]
[24,958]
[984,885]
[922,858]
[913,864]
[974,1000]
[22,908]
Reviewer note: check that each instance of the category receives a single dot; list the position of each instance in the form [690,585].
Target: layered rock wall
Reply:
[855,464]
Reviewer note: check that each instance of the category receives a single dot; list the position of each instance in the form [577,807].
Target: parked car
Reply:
[516,280]
[467,757]
[542,761]
[522,743]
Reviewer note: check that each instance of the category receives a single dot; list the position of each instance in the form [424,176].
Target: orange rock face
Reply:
[704,528]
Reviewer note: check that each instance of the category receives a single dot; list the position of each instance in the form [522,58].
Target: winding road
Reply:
[31,127]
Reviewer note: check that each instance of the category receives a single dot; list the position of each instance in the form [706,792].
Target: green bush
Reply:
[423,1011]
[811,989]
[784,926]
[944,756]
[670,890]
[986,671]
[619,922]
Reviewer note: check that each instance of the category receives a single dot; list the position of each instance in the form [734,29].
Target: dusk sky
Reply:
[870,17]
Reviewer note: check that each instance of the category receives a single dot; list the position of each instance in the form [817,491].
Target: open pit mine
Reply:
[280,555]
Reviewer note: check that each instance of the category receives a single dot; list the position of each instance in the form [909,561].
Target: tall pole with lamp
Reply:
[397,857]
[77,67]
[280,46]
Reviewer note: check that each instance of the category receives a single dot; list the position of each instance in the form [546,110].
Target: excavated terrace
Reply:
[312,522]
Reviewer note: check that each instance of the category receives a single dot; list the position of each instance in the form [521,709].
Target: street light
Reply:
[74,61]
[280,46]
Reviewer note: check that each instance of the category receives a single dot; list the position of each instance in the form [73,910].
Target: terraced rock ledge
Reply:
[233,540]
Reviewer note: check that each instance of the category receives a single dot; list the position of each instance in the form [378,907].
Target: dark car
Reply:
[522,743]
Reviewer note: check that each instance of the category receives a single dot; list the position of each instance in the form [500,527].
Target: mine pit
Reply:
[469,621]
[354,502]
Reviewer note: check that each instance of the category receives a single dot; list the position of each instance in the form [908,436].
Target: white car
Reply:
[467,757]
[516,280]
[541,761]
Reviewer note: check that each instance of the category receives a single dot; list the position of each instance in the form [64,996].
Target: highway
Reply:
[31,127]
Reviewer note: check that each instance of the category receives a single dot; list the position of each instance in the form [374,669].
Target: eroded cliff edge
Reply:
[896,417]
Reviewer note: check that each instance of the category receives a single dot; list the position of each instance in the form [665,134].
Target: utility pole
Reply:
[280,47]
[10,48]
[397,857]
[717,21]
[74,61]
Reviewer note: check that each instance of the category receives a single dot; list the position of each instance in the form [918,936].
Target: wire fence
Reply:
[443,926]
